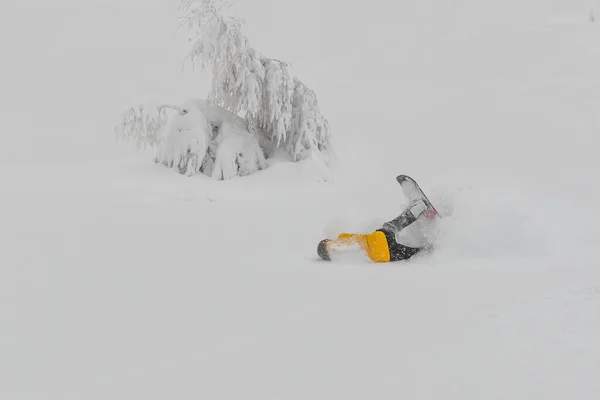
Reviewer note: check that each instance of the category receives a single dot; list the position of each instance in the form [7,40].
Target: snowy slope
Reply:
[121,279]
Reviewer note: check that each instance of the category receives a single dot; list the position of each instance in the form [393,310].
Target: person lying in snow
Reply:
[398,239]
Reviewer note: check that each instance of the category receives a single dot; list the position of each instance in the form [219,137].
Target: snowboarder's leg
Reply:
[379,246]
[374,245]
[397,251]
[409,216]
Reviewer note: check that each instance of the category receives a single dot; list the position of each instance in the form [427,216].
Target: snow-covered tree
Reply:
[246,82]
[255,106]
[197,137]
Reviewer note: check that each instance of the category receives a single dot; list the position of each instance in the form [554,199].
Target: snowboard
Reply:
[412,191]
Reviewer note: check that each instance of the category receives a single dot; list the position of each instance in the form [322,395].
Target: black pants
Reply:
[398,251]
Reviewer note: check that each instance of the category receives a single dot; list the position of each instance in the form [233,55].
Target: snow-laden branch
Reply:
[145,123]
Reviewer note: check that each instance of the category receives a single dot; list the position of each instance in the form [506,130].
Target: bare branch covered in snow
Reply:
[145,123]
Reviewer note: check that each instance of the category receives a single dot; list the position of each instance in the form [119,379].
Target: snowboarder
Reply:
[384,244]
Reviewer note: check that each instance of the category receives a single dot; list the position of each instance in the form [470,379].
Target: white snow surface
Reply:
[122,279]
